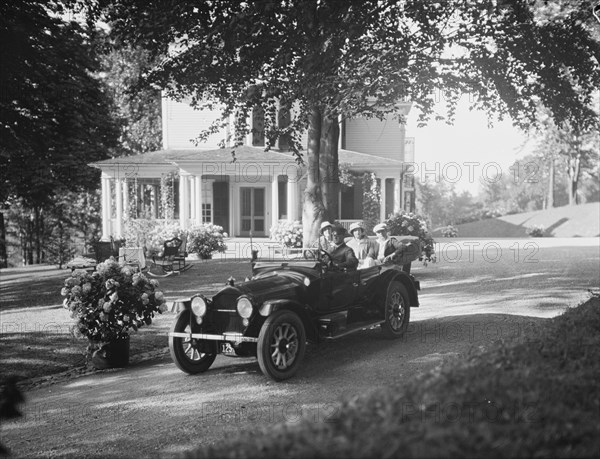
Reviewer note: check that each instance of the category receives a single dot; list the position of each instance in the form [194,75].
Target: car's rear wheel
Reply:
[397,310]
[190,354]
[281,345]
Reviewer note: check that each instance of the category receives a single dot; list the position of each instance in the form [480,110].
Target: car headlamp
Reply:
[244,307]
[198,306]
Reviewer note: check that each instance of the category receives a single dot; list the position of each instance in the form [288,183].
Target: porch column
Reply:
[119,210]
[382,203]
[105,203]
[274,199]
[397,197]
[125,200]
[292,200]
[193,214]
[199,198]
[184,200]
[155,197]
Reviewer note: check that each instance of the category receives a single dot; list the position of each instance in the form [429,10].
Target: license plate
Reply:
[227,349]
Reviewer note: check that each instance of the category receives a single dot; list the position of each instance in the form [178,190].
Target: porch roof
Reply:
[243,154]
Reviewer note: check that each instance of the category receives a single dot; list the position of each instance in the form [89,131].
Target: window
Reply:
[206,213]
[258,127]
[282,199]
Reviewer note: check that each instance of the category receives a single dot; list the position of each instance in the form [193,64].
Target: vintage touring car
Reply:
[286,304]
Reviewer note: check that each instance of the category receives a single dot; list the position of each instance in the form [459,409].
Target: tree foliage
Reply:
[137,106]
[54,112]
[332,59]
[55,115]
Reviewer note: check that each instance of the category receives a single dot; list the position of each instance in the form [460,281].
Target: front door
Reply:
[221,203]
[252,211]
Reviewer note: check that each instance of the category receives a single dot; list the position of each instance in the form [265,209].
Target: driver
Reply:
[342,256]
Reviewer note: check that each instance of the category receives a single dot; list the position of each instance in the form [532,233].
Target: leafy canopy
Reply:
[54,114]
[360,57]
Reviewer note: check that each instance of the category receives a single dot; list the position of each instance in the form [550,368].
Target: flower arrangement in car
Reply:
[206,239]
[288,234]
[111,302]
[410,224]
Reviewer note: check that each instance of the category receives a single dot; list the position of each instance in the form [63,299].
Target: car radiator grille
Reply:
[226,315]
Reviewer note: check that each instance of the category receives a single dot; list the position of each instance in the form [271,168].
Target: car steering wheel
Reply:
[328,255]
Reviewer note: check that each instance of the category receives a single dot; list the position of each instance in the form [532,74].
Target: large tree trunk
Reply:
[573,172]
[313,211]
[328,166]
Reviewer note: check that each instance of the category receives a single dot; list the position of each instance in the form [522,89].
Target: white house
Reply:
[258,188]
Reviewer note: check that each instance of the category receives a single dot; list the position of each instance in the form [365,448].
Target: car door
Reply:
[338,290]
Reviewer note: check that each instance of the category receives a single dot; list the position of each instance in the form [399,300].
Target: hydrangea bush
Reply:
[410,224]
[288,234]
[151,234]
[111,302]
[206,239]
[450,231]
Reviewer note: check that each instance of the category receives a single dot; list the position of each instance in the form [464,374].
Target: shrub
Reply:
[411,224]
[206,239]
[536,231]
[112,301]
[288,234]
[450,231]
[151,234]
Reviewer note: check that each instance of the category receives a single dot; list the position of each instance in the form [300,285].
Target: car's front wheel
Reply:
[281,345]
[396,309]
[190,354]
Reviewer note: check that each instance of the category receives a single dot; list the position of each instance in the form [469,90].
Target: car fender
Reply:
[181,304]
[396,275]
[271,306]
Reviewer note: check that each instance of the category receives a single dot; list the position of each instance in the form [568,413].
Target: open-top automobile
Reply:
[284,305]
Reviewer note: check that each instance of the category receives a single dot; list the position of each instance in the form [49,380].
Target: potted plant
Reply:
[206,239]
[109,304]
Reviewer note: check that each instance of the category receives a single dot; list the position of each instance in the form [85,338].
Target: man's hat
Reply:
[380,227]
[325,225]
[356,225]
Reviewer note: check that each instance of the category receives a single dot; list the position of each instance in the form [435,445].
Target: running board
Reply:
[357,327]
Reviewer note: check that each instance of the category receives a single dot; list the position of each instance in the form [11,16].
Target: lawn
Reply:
[36,340]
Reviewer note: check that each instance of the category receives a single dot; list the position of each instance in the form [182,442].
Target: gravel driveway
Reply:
[151,408]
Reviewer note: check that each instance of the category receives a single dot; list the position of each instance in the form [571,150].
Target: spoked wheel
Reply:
[396,310]
[190,355]
[281,345]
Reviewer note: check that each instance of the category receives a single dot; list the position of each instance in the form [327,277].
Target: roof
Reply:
[243,154]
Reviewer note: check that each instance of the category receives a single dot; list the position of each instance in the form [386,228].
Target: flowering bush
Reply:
[206,239]
[536,231]
[112,301]
[450,231]
[288,234]
[151,234]
[411,224]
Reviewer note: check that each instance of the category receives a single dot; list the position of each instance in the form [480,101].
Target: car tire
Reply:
[396,309]
[281,345]
[185,352]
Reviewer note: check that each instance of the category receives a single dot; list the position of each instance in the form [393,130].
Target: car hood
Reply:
[271,286]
